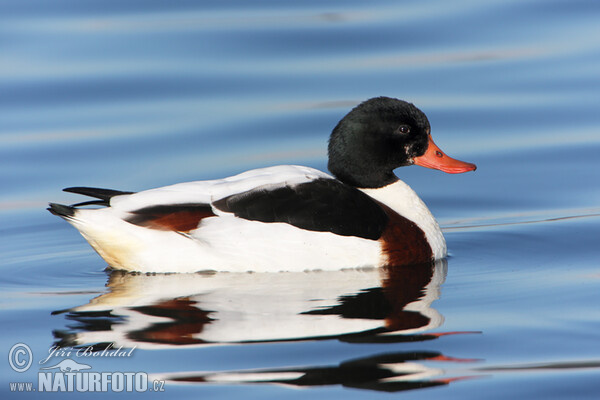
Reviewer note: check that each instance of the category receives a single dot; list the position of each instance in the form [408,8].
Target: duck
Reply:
[286,217]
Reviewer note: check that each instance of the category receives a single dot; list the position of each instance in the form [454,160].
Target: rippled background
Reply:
[137,94]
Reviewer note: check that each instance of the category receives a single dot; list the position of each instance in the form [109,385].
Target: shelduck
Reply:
[283,218]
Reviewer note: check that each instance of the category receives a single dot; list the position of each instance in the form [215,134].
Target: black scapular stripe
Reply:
[323,205]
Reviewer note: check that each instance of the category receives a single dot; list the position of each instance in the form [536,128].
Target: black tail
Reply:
[61,210]
[103,194]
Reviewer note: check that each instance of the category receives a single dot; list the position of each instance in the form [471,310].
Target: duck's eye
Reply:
[403,129]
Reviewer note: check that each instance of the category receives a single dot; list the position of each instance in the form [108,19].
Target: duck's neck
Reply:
[364,178]
[403,200]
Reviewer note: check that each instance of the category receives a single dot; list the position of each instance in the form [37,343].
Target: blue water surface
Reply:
[134,94]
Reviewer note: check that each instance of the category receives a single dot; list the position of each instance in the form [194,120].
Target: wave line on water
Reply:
[562,365]
[595,213]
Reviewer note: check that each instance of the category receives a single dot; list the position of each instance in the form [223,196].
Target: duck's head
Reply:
[380,135]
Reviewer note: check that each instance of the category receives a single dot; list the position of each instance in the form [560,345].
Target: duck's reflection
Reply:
[370,305]
[150,311]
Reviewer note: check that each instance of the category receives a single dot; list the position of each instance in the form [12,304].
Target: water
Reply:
[133,95]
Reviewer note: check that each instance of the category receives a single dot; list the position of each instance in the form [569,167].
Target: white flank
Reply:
[222,243]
